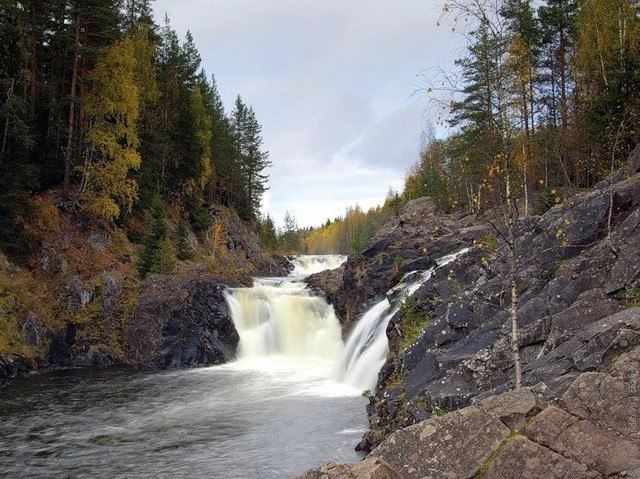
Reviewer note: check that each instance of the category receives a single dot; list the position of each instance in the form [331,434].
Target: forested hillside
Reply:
[110,115]
[546,98]
[543,101]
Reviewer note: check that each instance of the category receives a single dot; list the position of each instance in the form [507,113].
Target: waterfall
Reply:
[283,326]
[310,264]
[367,346]
[278,317]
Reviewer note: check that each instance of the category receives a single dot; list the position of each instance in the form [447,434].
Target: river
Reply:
[273,414]
[220,422]
[291,401]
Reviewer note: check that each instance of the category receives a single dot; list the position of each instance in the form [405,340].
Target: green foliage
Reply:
[157,255]
[412,322]
[289,240]
[185,251]
[548,99]
[251,159]
[268,234]
[198,213]
[629,296]
[490,243]
[112,136]
[11,338]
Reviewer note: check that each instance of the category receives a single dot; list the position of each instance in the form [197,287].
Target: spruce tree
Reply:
[252,160]
[156,256]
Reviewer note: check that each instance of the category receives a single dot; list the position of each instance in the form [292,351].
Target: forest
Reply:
[111,115]
[544,100]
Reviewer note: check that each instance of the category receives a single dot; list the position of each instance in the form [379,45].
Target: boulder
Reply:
[11,368]
[574,281]
[181,322]
[591,433]
[374,468]
[333,470]
[513,408]
[456,445]
[598,448]
[522,458]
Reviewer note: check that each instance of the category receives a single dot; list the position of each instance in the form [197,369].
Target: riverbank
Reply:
[577,284]
[79,300]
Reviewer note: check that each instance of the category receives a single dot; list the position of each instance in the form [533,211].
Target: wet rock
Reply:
[181,322]
[12,368]
[572,275]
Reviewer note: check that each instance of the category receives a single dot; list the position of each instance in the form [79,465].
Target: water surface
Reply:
[234,421]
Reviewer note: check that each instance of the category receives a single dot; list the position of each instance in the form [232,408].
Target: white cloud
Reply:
[331,83]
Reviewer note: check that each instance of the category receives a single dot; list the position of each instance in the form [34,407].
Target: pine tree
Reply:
[268,234]
[225,168]
[608,83]
[557,21]
[136,13]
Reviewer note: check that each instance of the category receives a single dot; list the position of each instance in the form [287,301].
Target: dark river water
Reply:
[223,422]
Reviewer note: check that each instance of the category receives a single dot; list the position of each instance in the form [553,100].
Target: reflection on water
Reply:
[224,422]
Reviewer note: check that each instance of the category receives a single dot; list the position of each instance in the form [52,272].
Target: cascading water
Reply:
[231,421]
[283,328]
[281,318]
[367,345]
[309,264]
[282,324]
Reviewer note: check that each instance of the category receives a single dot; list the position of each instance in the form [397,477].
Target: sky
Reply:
[335,85]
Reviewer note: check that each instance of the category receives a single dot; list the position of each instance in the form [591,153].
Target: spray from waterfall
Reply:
[280,322]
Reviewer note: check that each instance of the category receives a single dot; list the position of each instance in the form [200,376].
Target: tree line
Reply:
[544,101]
[115,114]
[546,96]
[344,235]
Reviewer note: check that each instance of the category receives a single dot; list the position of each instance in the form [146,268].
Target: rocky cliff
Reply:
[590,432]
[578,280]
[79,300]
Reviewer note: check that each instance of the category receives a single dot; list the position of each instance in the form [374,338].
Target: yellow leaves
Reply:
[113,108]
[560,234]
[102,207]
[44,218]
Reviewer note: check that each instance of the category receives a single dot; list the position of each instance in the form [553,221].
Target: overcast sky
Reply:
[332,83]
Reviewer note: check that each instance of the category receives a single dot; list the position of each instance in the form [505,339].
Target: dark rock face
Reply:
[11,368]
[573,279]
[578,275]
[240,245]
[425,235]
[181,322]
